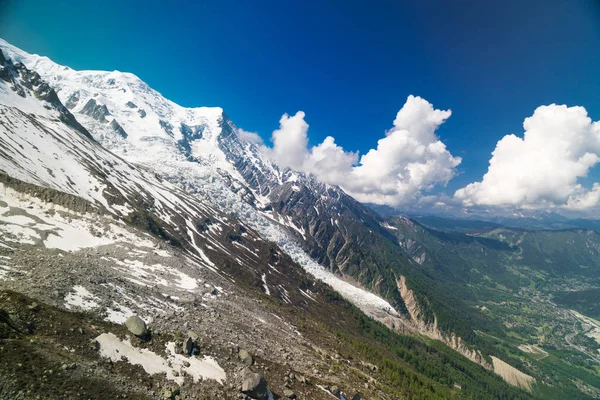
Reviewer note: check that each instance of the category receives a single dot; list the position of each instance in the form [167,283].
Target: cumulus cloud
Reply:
[585,200]
[410,158]
[251,137]
[560,145]
[290,141]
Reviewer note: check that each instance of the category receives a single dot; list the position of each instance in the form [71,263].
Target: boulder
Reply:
[137,326]
[254,385]
[188,346]
[289,394]
[245,357]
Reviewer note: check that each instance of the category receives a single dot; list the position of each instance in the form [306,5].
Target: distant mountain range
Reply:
[525,219]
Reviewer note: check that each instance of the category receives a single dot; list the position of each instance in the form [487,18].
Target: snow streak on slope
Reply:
[182,145]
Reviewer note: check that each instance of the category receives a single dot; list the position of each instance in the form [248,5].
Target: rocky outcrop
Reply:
[167,127]
[431,330]
[118,129]
[24,81]
[97,111]
[73,100]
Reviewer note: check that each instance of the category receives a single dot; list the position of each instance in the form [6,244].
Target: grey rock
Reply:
[246,357]
[254,385]
[96,111]
[188,346]
[167,127]
[136,325]
[118,128]
[289,394]
[72,100]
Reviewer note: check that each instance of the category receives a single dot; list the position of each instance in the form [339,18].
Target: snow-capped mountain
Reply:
[199,150]
[184,146]
[83,229]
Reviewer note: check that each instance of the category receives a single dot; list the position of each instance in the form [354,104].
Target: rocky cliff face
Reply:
[431,330]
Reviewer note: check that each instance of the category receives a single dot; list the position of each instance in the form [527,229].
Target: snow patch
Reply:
[81,298]
[118,350]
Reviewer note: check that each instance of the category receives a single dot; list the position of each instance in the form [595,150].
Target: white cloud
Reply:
[329,162]
[290,141]
[586,200]
[408,160]
[251,137]
[560,145]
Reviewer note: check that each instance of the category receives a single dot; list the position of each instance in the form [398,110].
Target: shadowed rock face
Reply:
[117,128]
[72,101]
[97,111]
[21,78]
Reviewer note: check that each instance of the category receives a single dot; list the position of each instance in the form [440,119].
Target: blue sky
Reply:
[349,65]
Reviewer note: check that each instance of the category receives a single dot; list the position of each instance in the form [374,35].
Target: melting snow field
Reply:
[81,298]
[27,220]
[155,274]
[119,314]
[206,368]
